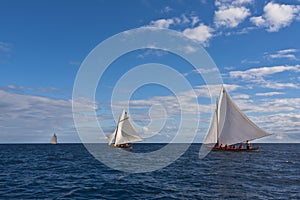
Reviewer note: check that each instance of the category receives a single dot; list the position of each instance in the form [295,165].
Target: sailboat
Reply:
[124,133]
[230,126]
[53,139]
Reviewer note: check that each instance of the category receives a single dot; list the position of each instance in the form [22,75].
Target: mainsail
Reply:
[230,125]
[53,139]
[125,132]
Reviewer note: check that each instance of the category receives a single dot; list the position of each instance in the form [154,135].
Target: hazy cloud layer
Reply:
[30,118]
[261,76]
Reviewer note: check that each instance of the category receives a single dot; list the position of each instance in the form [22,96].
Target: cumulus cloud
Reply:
[231,17]
[276,16]
[195,31]
[201,33]
[231,13]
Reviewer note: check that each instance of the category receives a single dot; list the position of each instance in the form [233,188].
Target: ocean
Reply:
[68,171]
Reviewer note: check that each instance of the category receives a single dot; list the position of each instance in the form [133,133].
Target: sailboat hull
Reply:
[122,146]
[223,149]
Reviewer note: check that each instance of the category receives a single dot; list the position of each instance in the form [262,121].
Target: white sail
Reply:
[53,139]
[212,135]
[215,126]
[125,132]
[232,126]
[111,137]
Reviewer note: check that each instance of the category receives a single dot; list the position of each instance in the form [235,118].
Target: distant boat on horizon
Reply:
[230,126]
[124,133]
[53,139]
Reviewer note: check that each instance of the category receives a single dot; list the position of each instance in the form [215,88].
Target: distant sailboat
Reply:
[230,125]
[124,133]
[53,139]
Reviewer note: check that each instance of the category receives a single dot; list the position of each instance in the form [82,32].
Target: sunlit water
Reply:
[68,171]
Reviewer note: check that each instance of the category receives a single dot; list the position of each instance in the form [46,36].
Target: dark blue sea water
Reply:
[68,171]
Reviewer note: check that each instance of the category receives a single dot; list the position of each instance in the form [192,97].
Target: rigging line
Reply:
[124,119]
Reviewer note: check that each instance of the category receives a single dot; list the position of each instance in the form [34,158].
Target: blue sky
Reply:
[255,45]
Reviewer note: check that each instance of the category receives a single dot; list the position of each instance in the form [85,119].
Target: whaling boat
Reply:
[230,126]
[124,134]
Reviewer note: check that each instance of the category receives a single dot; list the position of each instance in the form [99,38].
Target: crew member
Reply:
[248,144]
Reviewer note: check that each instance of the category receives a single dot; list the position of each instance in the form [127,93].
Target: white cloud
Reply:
[257,76]
[285,53]
[289,56]
[195,20]
[201,33]
[226,3]
[268,105]
[276,85]
[182,20]
[244,30]
[189,49]
[258,21]
[276,16]
[230,17]
[205,91]
[152,51]
[241,96]
[269,93]
[162,23]
[255,73]
[203,71]
[231,13]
